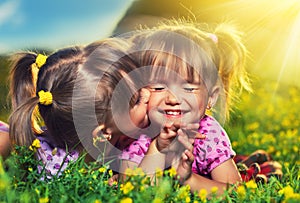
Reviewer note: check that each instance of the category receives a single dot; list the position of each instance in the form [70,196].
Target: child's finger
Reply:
[184,140]
[192,126]
[189,155]
[199,136]
[144,96]
[194,134]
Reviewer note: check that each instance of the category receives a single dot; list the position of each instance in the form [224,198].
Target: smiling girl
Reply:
[187,68]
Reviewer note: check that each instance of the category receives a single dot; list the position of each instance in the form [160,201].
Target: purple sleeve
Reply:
[55,160]
[136,151]
[214,149]
[3,127]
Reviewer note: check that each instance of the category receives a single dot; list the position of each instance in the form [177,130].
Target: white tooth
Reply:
[173,113]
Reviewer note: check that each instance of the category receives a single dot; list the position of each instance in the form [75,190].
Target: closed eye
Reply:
[157,88]
[190,89]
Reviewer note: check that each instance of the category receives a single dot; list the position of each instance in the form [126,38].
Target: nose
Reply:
[171,98]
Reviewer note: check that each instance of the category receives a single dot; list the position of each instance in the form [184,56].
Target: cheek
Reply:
[153,102]
[199,102]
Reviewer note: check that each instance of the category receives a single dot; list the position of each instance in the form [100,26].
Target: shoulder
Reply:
[137,149]
[209,124]
[3,127]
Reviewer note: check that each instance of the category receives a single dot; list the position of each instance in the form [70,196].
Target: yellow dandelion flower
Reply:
[271,149]
[183,192]
[234,144]
[110,172]
[82,170]
[214,189]
[126,200]
[187,199]
[129,172]
[30,169]
[102,169]
[114,183]
[44,200]
[157,200]
[145,180]
[172,172]
[138,171]
[36,143]
[295,197]
[126,188]
[67,171]
[295,148]
[253,126]
[97,201]
[202,194]
[158,172]
[251,184]
[241,191]
[287,191]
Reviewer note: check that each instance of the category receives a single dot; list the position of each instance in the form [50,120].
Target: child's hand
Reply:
[184,168]
[138,113]
[167,141]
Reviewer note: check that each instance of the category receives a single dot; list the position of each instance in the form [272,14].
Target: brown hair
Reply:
[81,81]
[215,54]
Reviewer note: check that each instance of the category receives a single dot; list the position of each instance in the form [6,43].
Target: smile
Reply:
[173,112]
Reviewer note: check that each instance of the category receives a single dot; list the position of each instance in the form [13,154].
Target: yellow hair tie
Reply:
[45,97]
[40,60]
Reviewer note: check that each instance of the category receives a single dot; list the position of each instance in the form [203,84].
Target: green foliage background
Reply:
[4,102]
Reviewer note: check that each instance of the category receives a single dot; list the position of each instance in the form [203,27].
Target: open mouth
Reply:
[173,113]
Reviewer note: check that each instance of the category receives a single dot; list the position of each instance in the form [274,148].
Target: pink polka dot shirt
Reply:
[209,152]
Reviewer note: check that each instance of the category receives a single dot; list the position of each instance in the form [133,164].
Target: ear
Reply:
[101,134]
[213,97]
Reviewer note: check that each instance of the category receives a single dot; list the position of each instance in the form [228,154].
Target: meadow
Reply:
[266,119]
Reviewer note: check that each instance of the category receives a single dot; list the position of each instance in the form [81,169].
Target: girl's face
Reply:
[177,100]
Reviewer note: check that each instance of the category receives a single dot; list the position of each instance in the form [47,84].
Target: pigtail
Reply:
[21,129]
[22,85]
[233,54]
[23,79]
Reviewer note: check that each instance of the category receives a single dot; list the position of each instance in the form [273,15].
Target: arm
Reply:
[153,159]
[5,145]
[147,164]
[222,176]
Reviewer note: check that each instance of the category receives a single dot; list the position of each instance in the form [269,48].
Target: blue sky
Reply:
[29,24]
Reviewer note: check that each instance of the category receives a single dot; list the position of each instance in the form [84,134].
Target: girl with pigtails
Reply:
[189,70]
[72,95]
